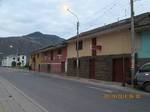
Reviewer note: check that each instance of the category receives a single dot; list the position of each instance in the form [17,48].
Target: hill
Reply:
[27,43]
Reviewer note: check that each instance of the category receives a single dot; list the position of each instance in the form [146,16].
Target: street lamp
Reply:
[77,39]
[11,46]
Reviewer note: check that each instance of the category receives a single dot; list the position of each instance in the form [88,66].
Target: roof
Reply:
[122,24]
[51,47]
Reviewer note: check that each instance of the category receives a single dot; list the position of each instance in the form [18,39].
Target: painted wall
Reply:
[86,51]
[144,50]
[56,63]
[112,43]
[38,58]
[56,57]
[44,58]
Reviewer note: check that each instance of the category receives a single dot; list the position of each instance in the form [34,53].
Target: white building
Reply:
[7,61]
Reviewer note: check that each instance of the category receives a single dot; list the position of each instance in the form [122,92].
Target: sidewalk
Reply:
[14,100]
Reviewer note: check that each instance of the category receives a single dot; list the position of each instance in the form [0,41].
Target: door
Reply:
[62,67]
[93,46]
[92,69]
[121,68]
[39,68]
[48,68]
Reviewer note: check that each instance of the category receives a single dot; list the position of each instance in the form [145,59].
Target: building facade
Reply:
[51,59]
[105,52]
[20,60]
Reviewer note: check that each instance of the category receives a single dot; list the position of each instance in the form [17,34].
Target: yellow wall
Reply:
[37,60]
[112,43]
[71,49]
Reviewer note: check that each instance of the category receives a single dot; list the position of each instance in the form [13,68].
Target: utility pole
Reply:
[77,49]
[132,43]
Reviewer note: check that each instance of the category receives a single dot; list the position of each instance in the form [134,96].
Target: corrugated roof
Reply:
[113,25]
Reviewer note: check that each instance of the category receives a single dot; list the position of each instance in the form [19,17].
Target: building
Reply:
[105,52]
[20,60]
[51,59]
[143,53]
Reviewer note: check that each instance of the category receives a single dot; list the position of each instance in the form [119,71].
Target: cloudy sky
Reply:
[19,17]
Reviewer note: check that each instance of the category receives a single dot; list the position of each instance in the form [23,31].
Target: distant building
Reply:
[20,60]
[51,59]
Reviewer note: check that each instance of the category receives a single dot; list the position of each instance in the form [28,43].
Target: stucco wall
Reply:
[112,43]
[86,51]
[144,50]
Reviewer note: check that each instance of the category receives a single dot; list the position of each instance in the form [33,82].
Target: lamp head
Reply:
[66,7]
[11,46]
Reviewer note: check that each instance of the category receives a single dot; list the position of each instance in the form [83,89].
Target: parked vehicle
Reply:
[142,78]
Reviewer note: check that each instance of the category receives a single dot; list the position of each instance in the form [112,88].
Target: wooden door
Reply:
[93,46]
[121,68]
[92,69]
[118,70]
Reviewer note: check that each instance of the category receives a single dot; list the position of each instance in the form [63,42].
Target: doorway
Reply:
[121,69]
[92,69]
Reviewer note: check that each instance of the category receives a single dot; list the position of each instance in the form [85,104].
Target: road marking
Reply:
[104,90]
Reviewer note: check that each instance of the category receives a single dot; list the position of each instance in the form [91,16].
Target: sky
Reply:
[20,17]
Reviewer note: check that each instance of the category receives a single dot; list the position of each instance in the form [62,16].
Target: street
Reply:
[60,95]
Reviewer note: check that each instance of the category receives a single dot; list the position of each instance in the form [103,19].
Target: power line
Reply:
[105,9]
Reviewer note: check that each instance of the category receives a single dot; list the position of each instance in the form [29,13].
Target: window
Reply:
[13,58]
[22,57]
[80,45]
[146,68]
[59,51]
[18,59]
[93,46]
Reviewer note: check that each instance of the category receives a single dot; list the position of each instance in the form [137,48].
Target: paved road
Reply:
[60,95]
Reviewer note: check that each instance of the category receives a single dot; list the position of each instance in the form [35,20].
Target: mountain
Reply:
[27,43]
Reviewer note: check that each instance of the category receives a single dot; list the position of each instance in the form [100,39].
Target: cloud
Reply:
[20,17]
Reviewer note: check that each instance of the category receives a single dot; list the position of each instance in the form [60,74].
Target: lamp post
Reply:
[77,40]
